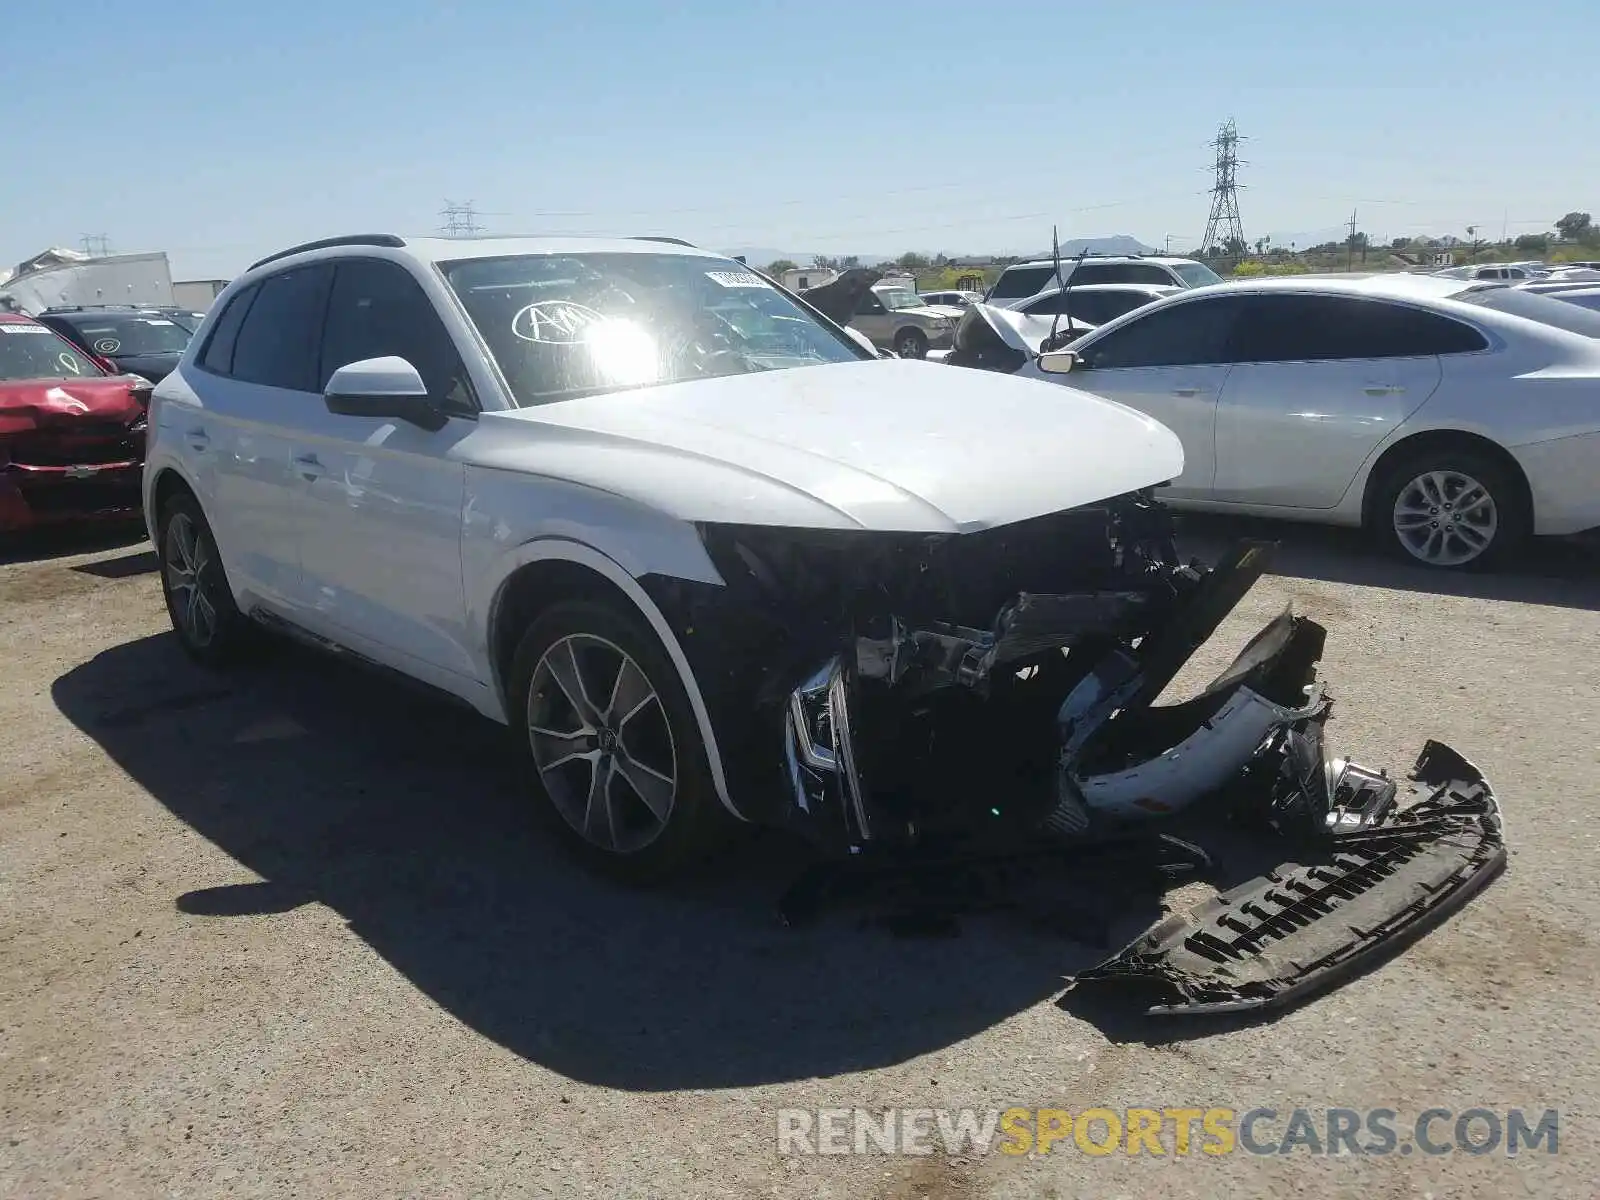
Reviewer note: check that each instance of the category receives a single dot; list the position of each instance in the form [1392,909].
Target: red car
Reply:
[71,431]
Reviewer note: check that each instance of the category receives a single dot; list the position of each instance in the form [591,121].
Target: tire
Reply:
[633,797]
[1416,510]
[911,343]
[199,599]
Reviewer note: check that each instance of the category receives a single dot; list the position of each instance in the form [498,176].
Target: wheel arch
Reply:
[168,482]
[553,569]
[1437,440]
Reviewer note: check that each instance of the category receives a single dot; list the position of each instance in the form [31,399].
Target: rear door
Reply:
[1170,363]
[380,549]
[1321,380]
[253,389]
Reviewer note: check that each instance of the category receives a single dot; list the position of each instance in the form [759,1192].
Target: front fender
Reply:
[621,554]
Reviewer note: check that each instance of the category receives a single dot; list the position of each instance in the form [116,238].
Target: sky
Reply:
[220,132]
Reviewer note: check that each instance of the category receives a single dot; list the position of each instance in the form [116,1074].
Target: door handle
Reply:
[198,439]
[309,467]
[1383,389]
[1187,391]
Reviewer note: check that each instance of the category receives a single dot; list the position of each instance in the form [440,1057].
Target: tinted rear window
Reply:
[1016,282]
[1545,309]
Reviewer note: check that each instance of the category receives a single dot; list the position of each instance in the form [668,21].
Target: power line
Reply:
[459,220]
[1224,218]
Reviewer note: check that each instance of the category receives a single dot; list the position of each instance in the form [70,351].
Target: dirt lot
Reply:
[288,932]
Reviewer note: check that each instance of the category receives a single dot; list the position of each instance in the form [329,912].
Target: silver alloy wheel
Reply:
[1445,518]
[601,743]
[188,581]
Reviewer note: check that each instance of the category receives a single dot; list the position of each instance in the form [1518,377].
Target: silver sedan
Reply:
[1451,417]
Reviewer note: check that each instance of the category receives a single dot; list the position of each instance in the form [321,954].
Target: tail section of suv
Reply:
[1025,280]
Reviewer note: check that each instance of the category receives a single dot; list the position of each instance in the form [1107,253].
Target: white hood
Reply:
[890,445]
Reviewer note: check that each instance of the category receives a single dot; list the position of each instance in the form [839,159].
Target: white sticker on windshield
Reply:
[10,328]
[737,279]
[561,322]
[155,321]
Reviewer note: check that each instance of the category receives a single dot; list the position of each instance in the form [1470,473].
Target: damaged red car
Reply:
[72,432]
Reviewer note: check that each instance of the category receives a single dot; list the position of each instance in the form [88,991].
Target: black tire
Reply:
[911,343]
[646,846]
[1452,471]
[223,638]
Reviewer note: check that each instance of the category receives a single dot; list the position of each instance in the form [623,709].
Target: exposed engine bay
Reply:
[964,696]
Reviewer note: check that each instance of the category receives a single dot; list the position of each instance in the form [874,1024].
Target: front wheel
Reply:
[910,343]
[1450,509]
[613,751]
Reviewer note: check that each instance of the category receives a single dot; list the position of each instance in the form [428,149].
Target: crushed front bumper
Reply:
[1304,926]
[880,741]
[34,495]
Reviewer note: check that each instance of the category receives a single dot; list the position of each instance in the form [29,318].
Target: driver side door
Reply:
[380,547]
[1171,364]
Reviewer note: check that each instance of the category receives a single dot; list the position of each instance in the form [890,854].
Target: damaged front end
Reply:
[908,728]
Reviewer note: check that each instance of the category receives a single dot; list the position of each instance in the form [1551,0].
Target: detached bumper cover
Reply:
[1304,927]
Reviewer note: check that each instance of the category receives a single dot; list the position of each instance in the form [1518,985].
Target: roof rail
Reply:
[671,241]
[353,239]
[66,308]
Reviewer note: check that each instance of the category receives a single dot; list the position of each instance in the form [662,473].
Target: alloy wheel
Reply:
[189,582]
[1445,518]
[602,744]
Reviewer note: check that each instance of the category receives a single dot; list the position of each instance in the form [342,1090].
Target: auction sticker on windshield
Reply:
[23,329]
[737,279]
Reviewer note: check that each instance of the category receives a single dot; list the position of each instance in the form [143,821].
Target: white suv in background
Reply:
[1022,281]
[623,496]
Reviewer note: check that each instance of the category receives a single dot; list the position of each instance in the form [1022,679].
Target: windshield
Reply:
[34,352]
[567,325]
[1196,274]
[1547,310]
[900,298]
[131,334]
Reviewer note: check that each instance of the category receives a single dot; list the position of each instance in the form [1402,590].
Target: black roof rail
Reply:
[393,241]
[671,241]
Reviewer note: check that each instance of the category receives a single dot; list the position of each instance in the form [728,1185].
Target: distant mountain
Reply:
[1121,243]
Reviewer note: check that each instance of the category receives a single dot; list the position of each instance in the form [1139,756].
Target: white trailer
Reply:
[64,278]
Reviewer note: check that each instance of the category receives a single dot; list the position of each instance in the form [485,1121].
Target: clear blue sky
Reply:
[219,131]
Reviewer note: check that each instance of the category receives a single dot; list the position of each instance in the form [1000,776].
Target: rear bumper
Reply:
[33,496]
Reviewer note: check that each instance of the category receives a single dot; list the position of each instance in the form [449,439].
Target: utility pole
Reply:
[1224,220]
[95,245]
[459,220]
[1350,253]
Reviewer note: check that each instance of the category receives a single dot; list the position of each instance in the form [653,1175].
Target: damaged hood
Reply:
[42,403]
[891,445]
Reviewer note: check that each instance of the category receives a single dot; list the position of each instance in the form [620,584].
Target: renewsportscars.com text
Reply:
[1175,1131]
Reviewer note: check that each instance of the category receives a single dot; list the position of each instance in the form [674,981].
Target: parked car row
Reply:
[1453,418]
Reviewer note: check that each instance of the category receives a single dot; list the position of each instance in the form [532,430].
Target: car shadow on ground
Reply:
[1562,572]
[403,814]
[40,545]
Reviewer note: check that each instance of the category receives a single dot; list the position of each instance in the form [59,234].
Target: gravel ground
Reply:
[287,932]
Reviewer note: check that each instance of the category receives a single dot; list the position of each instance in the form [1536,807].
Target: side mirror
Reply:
[1059,362]
[382,387]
